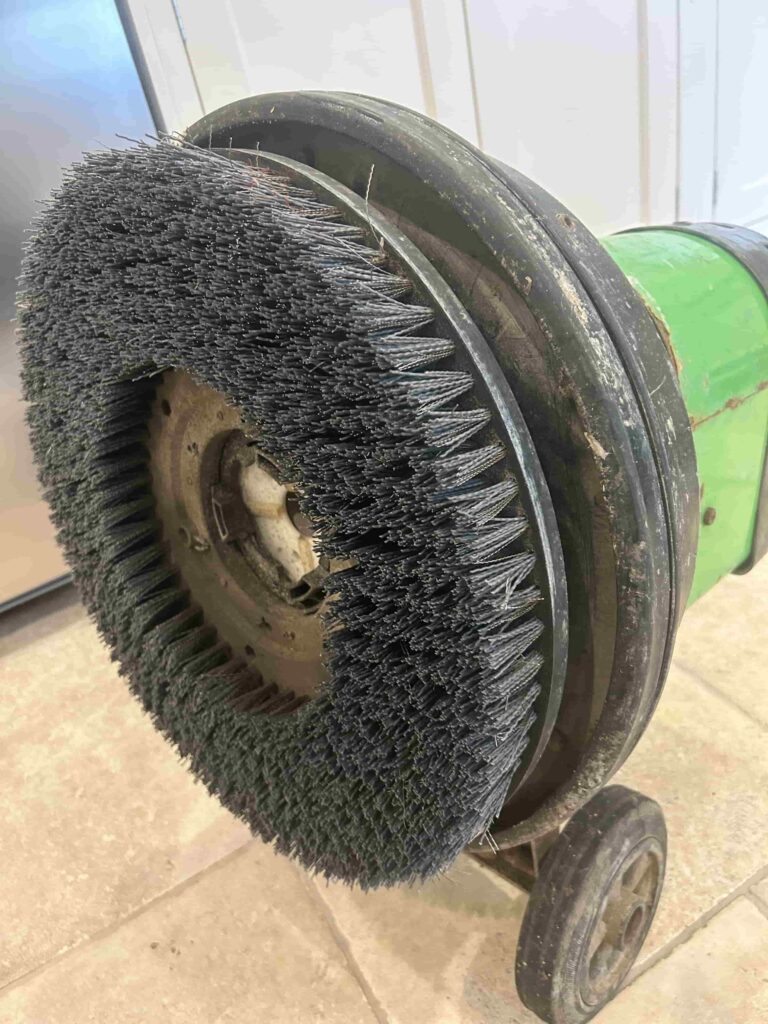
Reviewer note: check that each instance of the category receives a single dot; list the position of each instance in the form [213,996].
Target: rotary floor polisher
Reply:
[387,485]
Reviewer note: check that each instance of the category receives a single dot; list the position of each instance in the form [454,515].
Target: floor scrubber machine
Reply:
[388,484]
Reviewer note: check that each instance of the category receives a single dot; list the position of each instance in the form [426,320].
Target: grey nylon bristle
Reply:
[166,256]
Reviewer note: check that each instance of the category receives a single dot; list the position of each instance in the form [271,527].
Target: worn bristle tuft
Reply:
[166,256]
[408,353]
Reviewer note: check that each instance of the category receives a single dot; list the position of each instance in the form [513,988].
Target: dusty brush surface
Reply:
[166,256]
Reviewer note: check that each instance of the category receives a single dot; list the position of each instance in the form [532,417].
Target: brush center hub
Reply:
[259,514]
[235,530]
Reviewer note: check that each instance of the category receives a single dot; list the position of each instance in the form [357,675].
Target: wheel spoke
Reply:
[635,875]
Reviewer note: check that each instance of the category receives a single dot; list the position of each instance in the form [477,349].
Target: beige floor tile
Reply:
[441,953]
[761,891]
[724,640]
[36,619]
[98,815]
[445,952]
[706,764]
[243,944]
[720,976]
[99,819]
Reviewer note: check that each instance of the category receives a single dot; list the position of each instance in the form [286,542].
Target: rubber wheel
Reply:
[591,907]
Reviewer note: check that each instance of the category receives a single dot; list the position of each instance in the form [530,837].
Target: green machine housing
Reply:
[706,286]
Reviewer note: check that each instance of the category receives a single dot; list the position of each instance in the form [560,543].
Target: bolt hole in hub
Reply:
[237,534]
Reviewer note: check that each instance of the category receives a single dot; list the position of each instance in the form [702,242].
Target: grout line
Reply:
[758,901]
[687,933]
[717,692]
[110,929]
[344,945]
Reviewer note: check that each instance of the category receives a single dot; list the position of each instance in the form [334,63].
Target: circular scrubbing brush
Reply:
[298,499]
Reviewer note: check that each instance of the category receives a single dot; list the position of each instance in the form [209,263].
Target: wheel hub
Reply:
[622,925]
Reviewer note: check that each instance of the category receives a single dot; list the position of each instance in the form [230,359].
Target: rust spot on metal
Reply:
[666,337]
[732,403]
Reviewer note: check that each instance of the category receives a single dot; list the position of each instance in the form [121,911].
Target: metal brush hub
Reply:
[235,530]
[258,518]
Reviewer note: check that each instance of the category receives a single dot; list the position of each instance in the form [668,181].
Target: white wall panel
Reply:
[658,29]
[741,151]
[239,48]
[216,53]
[698,97]
[167,63]
[629,111]
[558,90]
[579,94]
[449,65]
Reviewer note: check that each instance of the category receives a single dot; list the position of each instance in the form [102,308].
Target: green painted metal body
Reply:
[716,318]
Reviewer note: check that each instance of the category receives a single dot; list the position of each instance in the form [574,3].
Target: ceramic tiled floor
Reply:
[127,896]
